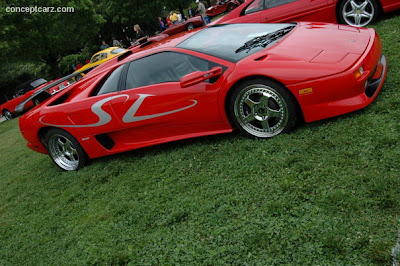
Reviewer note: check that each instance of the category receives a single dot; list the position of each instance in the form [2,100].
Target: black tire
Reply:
[358,13]
[7,114]
[190,26]
[230,7]
[65,150]
[78,77]
[262,108]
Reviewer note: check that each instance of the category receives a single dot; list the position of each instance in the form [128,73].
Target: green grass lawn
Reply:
[328,193]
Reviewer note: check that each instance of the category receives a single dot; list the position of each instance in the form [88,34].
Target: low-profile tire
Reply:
[65,150]
[78,77]
[262,108]
[7,114]
[358,13]
[190,26]
[230,7]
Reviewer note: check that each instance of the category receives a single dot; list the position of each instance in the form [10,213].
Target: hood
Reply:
[314,50]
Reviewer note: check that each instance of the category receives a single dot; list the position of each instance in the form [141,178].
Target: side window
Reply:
[109,83]
[95,58]
[275,3]
[257,5]
[163,67]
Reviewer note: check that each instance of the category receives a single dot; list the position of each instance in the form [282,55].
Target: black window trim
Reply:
[121,83]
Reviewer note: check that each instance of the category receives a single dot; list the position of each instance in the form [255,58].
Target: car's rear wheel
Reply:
[230,7]
[65,150]
[190,26]
[7,114]
[262,108]
[78,77]
[358,13]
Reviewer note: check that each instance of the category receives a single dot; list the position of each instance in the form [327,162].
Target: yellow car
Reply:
[101,57]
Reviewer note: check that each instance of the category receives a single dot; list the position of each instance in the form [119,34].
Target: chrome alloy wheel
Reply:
[261,111]
[7,114]
[358,13]
[63,152]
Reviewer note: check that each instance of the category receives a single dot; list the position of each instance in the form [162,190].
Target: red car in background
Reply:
[188,24]
[352,12]
[222,7]
[21,93]
[258,78]
[25,91]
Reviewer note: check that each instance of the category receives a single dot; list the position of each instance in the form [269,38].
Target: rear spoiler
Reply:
[42,94]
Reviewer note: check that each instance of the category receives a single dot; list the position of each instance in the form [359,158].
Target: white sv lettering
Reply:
[105,118]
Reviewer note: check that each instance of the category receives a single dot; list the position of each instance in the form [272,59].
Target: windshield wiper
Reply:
[264,40]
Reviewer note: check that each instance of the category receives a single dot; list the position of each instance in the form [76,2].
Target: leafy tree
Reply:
[47,37]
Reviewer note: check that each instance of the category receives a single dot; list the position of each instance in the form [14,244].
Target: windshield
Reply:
[223,41]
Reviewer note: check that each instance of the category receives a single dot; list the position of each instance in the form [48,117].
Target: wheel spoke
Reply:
[264,100]
[363,6]
[357,19]
[274,113]
[365,14]
[61,144]
[349,14]
[249,118]
[354,6]
[265,124]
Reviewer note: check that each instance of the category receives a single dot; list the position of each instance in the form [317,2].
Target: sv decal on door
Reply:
[129,116]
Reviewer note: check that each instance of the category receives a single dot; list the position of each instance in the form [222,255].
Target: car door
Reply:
[267,11]
[154,105]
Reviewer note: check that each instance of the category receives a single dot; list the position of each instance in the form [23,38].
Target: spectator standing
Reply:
[168,21]
[116,43]
[191,12]
[173,17]
[161,24]
[103,45]
[202,11]
[140,35]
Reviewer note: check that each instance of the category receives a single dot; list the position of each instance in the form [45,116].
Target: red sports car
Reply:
[352,12]
[23,92]
[222,7]
[258,78]
[189,24]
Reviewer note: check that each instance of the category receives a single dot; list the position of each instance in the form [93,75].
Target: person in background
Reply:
[103,45]
[173,17]
[116,43]
[191,12]
[161,24]
[127,42]
[140,35]
[202,11]
[169,23]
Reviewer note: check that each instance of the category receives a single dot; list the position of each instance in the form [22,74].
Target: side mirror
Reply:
[199,76]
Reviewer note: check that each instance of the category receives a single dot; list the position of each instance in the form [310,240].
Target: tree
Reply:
[47,37]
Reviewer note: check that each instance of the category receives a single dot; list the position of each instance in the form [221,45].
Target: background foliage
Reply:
[52,42]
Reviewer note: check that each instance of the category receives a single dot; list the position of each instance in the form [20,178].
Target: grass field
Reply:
[328,193]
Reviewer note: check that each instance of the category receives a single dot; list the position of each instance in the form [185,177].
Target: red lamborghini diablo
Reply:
[258,78]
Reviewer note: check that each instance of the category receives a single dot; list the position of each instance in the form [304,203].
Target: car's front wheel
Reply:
[65,150]
[7,114]
[358,13]
[262,108]
[190,26]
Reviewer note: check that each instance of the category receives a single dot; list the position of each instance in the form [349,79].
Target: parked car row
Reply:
[259,78]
